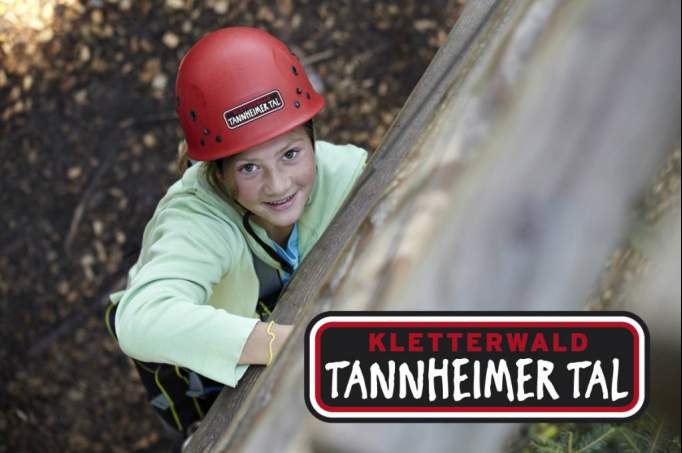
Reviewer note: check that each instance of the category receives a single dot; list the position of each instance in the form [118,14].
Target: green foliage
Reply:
[644,435]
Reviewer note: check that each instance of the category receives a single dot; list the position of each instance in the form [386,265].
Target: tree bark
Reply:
[504,184]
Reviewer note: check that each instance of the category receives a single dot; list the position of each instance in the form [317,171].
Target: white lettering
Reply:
[334,367]
[501,373]
[441,373]
[597,378]
[377,375]
[576,367]
[406,375]
[615,394]
[458,379]
[356,377]
[545,368]
[522,378]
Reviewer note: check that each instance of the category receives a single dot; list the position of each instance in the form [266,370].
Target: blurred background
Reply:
[88,143]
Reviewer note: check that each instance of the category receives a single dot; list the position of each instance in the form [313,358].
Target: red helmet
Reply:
[239,87]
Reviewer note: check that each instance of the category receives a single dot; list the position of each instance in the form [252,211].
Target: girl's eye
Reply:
[291,154]
[247,168]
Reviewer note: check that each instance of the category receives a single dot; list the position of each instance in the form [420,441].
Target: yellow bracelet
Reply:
[272,339]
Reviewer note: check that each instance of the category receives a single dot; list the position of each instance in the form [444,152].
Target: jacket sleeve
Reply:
[163,316]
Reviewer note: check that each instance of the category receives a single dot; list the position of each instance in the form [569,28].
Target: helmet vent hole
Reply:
[307,95]
[206,132]
[202,142]
[193,114]
[299,91]
[294,70]
[297,104]
[218,139]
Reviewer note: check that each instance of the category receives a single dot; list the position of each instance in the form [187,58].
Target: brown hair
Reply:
[214,168]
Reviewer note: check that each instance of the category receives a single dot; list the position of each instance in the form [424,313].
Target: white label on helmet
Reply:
[253,109]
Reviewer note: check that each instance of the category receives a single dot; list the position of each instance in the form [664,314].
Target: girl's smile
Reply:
[283,204]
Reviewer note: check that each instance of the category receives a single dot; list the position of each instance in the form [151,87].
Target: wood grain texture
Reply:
[504,183]
[305,295]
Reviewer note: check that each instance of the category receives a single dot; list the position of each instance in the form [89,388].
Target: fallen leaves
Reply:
[171,40]
[87,112]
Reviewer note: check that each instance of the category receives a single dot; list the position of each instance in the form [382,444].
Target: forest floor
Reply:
[88,146]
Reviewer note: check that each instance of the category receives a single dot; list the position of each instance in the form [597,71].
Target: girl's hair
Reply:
[214,168]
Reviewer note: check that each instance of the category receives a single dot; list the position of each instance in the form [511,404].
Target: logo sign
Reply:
[253,109]
[440,366]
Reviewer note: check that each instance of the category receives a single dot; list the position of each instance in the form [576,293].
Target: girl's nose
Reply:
[277,183]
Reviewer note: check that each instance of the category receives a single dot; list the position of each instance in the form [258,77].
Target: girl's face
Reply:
[274,180]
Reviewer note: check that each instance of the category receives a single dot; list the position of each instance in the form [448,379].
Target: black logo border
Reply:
[521,419]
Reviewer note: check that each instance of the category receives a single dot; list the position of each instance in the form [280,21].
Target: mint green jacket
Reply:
[191,297]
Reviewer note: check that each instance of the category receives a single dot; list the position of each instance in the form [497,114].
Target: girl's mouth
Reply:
[283,204]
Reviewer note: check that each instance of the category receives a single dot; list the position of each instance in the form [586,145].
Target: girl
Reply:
[227,236]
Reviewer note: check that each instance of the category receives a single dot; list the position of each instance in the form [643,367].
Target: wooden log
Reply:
[302,299]
[503,184]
